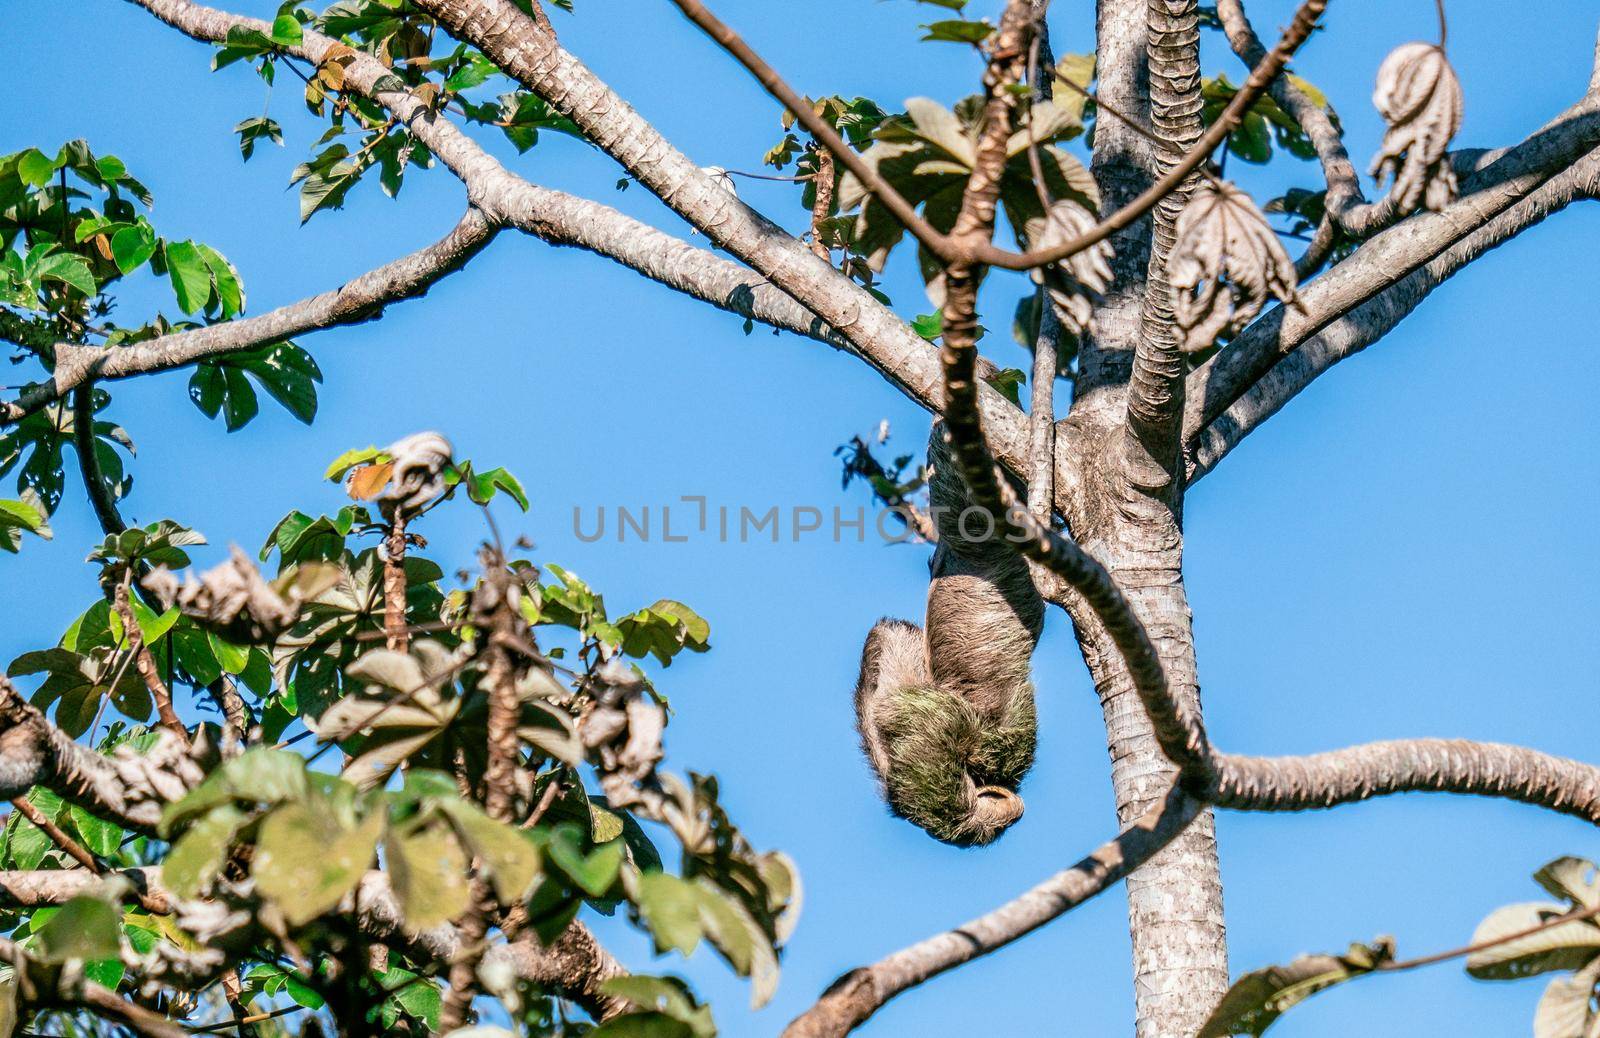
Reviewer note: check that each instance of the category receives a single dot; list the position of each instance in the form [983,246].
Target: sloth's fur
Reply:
[947,716]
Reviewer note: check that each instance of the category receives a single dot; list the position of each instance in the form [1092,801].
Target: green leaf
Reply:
[471,74]
[198,856]
[34,168]
[132,247]
[286,31]
[643,1025]
[510,856]
[595,872]
[100,836]
[428,869]
[300,994]
[959,31]
[1008,383]
[233,658]
[929,326]
[85,928]
[671,908]
[26,844]
[68,269]
[350,459]
[258,776]
[229,293]
[306,861]
[191,278]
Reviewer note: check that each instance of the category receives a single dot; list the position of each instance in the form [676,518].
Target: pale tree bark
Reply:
[1128,513]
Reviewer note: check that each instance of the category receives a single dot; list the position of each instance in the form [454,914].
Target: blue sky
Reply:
[1407,550]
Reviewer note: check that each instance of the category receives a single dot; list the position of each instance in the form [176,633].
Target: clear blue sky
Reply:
[1407,550]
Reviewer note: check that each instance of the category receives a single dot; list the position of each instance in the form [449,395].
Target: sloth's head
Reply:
[951,771]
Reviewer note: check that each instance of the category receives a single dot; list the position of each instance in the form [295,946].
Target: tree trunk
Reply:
[1175,900]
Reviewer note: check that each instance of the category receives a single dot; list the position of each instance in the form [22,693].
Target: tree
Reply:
[501,723]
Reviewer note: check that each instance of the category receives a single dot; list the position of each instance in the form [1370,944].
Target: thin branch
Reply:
[58,836]
[396,636]
[361,299]
[875,333]
[1575,916]
[813,301]
[143,661]
[1346,205]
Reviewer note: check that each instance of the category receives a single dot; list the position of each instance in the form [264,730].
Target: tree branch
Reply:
[361,299]
[1150,454]
[952,248]
[1360,328]
[1347,206]
[35,752]
[1319,780]
[844,316]
[1408,766]
[47,985]
[83,442]
[858,994]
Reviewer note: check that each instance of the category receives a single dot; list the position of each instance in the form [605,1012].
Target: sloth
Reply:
[946,715]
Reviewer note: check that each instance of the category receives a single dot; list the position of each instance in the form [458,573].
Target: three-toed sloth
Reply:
[946,715]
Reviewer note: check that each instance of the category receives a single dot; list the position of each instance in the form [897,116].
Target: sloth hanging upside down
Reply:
[947,716]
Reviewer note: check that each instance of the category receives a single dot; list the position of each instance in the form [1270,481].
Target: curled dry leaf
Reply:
[1419,96]
[1073,282]
[236,601]
[419,462]
[1224,264]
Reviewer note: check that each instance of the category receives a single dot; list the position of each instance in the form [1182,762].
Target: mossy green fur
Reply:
[940,748]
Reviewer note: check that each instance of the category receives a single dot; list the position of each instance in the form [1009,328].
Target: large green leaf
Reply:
[511,858]
[428,869]
[199,854]
[86,928]
[307,861]
[258,776]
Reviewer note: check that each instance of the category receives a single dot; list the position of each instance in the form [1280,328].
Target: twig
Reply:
[58,836]
[822,202]
[143,661]
[1576,915]
[396,635]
